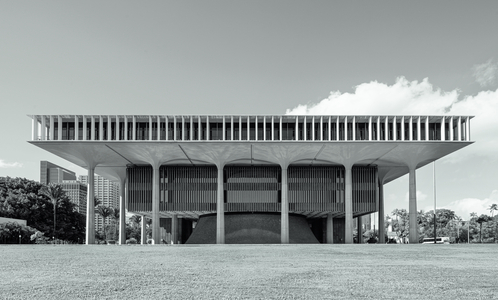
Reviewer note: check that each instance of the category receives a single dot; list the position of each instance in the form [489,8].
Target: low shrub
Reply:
[131,241]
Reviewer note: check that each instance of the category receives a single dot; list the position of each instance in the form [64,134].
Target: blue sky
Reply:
[258,57]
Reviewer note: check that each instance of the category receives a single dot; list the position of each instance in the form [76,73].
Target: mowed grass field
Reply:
[249,272]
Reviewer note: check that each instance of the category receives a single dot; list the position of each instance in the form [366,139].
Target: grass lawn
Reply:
[249,272]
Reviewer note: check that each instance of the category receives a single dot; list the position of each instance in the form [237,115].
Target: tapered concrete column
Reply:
[284,230]
[382,236]
[143,232]
[220,209]
[156,234]
[360,230]
[90,207]
[330,229]
[348,206]
[174,229]
[413,207]
[122,211]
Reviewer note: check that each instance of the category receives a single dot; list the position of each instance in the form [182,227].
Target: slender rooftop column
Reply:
[92,128]
[443,129]
[34,132]
[354,129]
[43,127]
[410,129]
[264,128]
[101,128]
[348,206]
[419,132]
[220,208]
[59,128]
[451,129]
[51,133]
[134,129]
[426,128]
[125,133]
[304,128]
[284,231]
[395,132]
[109,128]
[403,137]
[413,207]
[76,128]
[459,129]
[345,128]
[117,128]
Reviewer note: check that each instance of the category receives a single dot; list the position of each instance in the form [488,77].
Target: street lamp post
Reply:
[434,188]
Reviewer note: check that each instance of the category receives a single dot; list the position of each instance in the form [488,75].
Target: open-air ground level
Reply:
[318,271]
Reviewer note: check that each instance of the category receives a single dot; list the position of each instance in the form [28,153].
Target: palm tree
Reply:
[54,192]
[105,212]
[492,209]
[136,219]
[482,219]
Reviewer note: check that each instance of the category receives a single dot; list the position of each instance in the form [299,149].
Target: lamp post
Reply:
[434,188]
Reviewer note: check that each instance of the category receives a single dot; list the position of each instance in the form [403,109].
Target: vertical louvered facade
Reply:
[313,191]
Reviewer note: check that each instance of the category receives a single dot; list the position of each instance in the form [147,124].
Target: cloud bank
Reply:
[464,207]
[4,164]
[416,98]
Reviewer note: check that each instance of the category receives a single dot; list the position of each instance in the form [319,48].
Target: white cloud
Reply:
[485,74]
[4,164]
[417,98]
[420,197]
[464,207]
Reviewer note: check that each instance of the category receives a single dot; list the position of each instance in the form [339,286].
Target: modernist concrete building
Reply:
[240,177]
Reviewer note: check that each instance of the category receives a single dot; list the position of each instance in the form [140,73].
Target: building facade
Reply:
[270,175]
[52,173]
[75,190]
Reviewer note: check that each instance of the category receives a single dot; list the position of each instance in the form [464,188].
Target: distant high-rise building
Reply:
[50,172]
[75,190]
[107,193]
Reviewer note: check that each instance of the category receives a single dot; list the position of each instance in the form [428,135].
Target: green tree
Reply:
[55,193]
[105,212]
[400,225]
[20,198]
[482,219]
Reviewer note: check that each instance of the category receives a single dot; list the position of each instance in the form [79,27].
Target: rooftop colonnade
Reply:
[395,145]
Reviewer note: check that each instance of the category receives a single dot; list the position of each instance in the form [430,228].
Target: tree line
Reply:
[51,216]
[477,229]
